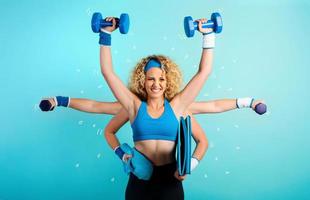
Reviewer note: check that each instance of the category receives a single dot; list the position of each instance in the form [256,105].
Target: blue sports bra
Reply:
[145,127]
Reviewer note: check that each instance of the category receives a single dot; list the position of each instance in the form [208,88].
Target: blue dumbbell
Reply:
[97,22]
[215,23]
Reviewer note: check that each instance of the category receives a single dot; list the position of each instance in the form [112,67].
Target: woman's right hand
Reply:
[109,28]
[200,28]
[126,157]
[47,104]
[177,176]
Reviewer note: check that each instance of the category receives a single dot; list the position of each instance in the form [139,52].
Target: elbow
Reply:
[204,73]
[107,133]
[207,72]
[218,108]
[118,108]
[104,71]
[205,143]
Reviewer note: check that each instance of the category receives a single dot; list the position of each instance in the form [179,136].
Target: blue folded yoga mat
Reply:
[184,146]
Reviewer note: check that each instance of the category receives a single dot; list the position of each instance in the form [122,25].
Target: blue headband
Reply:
[152,63]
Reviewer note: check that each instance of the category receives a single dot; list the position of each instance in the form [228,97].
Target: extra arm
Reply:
[113,126]
[91,106]
[216,106]
[200,139]
[126,98]
[88,105]
[192,89]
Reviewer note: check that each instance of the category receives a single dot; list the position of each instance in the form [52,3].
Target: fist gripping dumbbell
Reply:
[50,103]
[215,23]
[46,105]
[97,22]
[260,108]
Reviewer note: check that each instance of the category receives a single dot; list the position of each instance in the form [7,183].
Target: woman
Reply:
[159,97]
[154,109]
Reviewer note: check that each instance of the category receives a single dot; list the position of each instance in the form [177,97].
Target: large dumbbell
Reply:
[260,108]
[97,22]
[215,23]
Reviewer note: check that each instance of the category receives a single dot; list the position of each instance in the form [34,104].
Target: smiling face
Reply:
[155,82]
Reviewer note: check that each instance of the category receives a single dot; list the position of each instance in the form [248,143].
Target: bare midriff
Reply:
[160,152]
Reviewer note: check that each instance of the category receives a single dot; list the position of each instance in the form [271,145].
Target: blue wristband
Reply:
[62,101]
[105,39]
[119,152]
[207,33]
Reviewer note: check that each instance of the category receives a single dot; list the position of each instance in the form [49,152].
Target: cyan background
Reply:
[47,48]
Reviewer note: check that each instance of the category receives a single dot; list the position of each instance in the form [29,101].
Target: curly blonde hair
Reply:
[172,73]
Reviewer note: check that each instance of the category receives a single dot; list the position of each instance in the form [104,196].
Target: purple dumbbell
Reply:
[260,108]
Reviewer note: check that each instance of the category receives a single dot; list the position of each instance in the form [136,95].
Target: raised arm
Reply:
[192,89]
[120,91]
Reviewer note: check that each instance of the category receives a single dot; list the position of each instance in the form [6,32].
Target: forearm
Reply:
[206,62]
[111,139]
[105,60]
[224,105]
[201,148]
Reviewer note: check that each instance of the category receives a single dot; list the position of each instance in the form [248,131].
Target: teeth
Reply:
[155,90]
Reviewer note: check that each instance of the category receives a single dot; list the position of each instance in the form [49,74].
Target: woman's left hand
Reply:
[177,176]
[203,30]
[255,102]
[110,28]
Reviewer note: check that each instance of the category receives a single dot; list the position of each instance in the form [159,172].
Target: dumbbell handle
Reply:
[208,24]
[104,23]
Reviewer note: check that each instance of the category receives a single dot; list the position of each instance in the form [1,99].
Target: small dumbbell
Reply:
[215,23]
[45,105]
[97,22]
[260,108]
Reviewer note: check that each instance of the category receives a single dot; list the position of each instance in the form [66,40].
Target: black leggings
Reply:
[162,185]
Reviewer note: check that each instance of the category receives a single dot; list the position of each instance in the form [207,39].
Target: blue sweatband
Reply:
[105,39]
[152,63]
[119,152]
[62,101]
[207,33]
